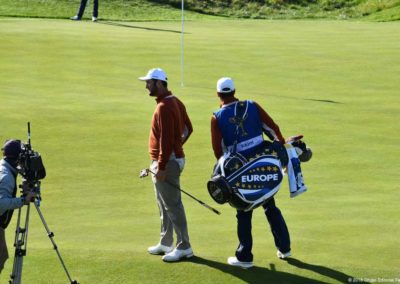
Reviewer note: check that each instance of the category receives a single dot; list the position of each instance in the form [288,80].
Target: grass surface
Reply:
[76,82]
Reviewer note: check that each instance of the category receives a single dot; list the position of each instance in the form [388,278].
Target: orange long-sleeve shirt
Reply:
[170,128]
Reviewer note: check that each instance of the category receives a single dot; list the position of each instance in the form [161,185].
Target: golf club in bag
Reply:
[145,173]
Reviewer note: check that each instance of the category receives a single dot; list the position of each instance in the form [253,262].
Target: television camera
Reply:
[30,167]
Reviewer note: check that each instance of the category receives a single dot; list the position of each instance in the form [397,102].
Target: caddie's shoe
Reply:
[159,249]
[75,18]
[298,192]
[283,255]
[178,254]
[94,19]
[243,264]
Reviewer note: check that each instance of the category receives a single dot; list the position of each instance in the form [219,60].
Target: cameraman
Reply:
[8,191]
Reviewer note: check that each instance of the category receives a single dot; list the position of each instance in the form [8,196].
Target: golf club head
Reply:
[294,138]
[144,173]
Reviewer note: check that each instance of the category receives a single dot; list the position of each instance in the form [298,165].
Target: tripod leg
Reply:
[17,270]
[20,243]
[51,235]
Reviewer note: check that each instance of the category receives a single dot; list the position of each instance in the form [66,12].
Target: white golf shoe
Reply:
[159,249]
[94,19]
[178,254]
[243,264]
[283,255]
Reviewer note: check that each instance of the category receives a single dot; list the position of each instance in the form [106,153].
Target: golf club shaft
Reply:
[188,194]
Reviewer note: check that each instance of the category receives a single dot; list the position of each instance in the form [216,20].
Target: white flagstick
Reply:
[182,43]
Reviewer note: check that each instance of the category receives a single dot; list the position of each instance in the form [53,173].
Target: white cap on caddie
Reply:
[225,85]
[156,74]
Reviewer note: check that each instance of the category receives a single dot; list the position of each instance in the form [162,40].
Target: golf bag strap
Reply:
[240,112]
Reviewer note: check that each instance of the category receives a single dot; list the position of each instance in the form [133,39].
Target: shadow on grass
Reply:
[328,272]
[271,95]
[323,101]
[137,27]
[264,275]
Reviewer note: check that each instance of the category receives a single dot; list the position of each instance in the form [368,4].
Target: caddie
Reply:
[238,126]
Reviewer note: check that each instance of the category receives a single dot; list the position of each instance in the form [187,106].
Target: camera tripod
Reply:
[21,241]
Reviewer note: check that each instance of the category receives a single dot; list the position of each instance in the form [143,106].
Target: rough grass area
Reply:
[292,9]
[142,10]
[336,82]
[116,10]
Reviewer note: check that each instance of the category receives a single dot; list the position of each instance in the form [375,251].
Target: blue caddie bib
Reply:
[245,127]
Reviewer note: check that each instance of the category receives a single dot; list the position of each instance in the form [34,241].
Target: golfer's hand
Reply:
[161,175]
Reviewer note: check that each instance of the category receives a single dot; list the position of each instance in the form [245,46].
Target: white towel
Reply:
[295,176]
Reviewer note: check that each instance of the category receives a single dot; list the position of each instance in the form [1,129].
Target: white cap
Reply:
[225,85]
[156,74]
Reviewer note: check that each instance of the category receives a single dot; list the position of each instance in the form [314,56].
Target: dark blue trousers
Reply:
[278,228]
[83,6]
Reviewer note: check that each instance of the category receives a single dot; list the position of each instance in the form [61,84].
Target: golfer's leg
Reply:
[174,206]
[166,231]
[3,249]
[243,252]
[278,226]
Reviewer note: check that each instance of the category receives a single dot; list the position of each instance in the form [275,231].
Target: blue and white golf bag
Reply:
[247,182]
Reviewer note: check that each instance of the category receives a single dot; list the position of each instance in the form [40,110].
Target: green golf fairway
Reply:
[76,82]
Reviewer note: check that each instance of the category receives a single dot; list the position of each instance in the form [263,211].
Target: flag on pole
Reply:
[182,43]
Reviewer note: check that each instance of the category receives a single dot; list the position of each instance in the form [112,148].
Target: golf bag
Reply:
[247,182]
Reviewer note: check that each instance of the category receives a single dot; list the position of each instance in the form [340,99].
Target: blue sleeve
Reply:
[7,202]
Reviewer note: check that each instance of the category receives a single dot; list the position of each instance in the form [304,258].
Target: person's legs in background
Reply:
[80,12]
[81,9]
[95,10]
